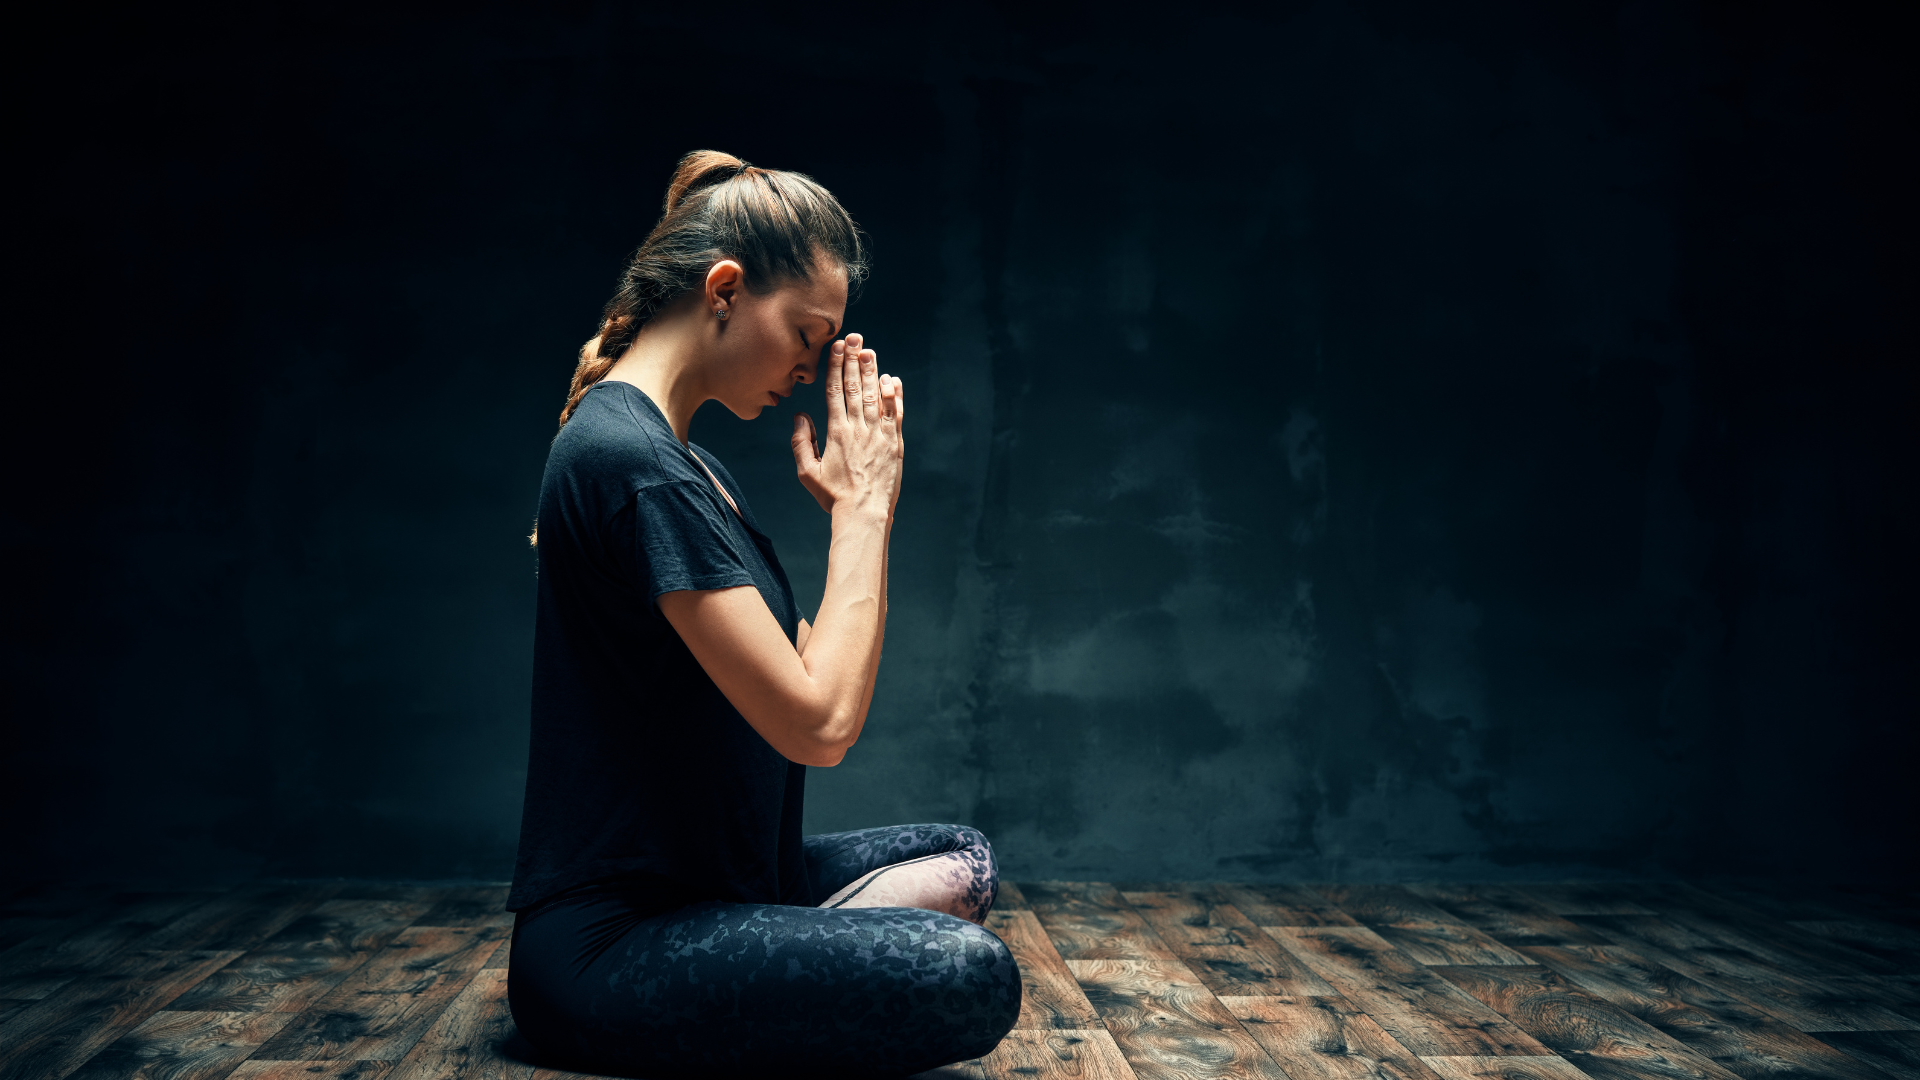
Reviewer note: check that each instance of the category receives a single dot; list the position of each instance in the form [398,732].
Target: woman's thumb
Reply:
[805,454]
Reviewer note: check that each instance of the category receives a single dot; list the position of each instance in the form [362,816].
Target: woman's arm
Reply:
[873,674]
[809,702]
[894,395]
[800,638]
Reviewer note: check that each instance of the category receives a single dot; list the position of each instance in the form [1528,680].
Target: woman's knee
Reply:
[985,868]
[989,954]
[968,838]
[993,976]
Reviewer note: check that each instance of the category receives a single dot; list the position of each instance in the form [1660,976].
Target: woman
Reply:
[671,920]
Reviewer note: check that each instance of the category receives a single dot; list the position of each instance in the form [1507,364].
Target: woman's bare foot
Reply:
[934,883]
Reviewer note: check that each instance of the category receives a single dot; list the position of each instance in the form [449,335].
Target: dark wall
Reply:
[1362,440]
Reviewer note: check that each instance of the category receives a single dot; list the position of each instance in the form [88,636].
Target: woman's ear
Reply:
[723,286]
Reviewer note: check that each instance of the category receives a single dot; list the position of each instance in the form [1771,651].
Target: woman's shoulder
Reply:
[615,438]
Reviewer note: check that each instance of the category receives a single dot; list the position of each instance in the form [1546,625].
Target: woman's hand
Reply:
[809,699]
[861,463]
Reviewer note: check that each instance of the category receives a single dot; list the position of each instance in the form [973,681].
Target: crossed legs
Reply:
[890,974]
[945,868]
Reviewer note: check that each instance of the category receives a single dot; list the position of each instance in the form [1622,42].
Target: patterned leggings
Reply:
[891,975]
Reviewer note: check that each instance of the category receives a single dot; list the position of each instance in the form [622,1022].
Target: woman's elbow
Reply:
[820,755]
[827,744]
[808,733]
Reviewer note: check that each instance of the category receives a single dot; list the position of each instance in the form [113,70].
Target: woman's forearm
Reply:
[842,653]
[879,638]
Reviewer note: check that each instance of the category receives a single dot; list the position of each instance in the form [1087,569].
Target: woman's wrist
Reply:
[863,509]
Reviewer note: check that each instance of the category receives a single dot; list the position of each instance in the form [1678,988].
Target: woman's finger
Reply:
[836,386]
[870,385]
[850,381]
[899,403]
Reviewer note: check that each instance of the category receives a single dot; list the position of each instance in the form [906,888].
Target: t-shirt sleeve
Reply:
[682,542]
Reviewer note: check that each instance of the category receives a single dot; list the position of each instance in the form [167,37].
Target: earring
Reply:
[720,314]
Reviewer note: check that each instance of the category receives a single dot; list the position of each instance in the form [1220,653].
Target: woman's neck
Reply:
[664,362]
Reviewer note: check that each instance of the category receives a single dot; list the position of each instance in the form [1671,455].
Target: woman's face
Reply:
[772,340]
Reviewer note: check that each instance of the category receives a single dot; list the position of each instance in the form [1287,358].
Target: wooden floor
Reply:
[1339,982]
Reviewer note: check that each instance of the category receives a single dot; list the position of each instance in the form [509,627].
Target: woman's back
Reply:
[638,764]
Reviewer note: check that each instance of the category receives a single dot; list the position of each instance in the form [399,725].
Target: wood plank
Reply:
[1167,1025]
[1783,900]
[311,1070]
[502,957]
[344,927]
[1220,945]
[1901,993]
[19,928]
[1283,905]
[1439,944]
[168,922]
[478,905]
[1088,1054]
[1898,907]
[1418,928]
[240,919]
[1772,940]
[1602,1041]
[183,1046]
[1790,900]
[1504,1068]
[1732,1034]
[26,951]
[1507,915]
[74,948]
[1897,945]
[1049,996]
[1896,1053]
[1583,897]
[1090,920]
[50,916]
[1424,1013]
[1382,904]
[380,1010]
[464,1042]
[55,1035]
[1810,1005]
[305,960]
[1325,1038]
[1010,898]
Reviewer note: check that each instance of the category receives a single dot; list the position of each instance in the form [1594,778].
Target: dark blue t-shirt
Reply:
[640,770]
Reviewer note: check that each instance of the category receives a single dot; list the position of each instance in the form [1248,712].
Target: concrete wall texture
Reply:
[1359,442]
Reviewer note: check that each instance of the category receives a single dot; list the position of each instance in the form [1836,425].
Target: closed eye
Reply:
[803,340]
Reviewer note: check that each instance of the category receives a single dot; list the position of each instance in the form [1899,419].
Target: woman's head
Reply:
[772,253]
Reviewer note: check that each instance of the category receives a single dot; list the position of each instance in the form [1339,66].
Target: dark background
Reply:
[1357,440]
